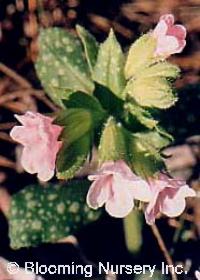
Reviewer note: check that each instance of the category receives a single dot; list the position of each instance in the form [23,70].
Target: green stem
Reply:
[133,231]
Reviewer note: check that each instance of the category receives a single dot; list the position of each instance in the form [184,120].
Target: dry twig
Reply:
[5,162]
[16,77]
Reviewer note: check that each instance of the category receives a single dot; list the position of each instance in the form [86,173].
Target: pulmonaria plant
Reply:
[107,100]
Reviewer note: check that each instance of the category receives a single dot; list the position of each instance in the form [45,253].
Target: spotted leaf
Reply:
[110,64]
[61,64]
[90,46]
[47,214]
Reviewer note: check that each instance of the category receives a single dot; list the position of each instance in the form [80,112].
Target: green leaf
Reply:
[151,92]
[110,64]
[140,55]
[142,115]
[163,133]
[47,214]
[76,123]
[81,118]
[61,65]
[144,152]
[113,142]
[144,164]
[85,101]
[151,142]
[90,46]
[109,101]
[71,157]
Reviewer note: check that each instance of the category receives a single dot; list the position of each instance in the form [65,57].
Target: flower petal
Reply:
[27,160]
[166,46]
[19,134]
[111,167]
[153,208]
[140,189]
[119,167]
[29,118]
[160,29]
[45,174]
[174,203]
[168,18]
[121,202]
[182,44]
[99,192]
[178,31]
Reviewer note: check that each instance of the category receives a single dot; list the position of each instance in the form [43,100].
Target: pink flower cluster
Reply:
[39,137]
[116,186]
[170,37]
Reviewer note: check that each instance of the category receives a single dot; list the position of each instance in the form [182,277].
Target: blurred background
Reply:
[20,90]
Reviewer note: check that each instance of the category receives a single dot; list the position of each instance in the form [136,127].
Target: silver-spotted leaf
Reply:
[61,65]
[90,46]
[152,92]
[47,214]
[109,69]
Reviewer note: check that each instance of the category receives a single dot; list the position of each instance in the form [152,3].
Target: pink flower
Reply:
[40,140]
[116,186]
[170,38]
[197,274]
[168,197]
